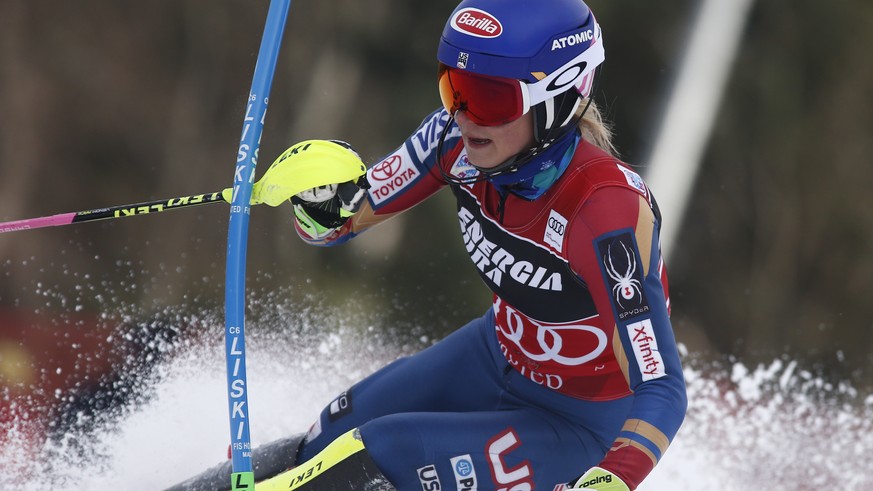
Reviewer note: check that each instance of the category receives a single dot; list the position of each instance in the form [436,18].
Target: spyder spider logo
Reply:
[626,286]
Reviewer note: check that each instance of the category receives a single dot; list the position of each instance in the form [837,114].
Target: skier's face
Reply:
[490,146]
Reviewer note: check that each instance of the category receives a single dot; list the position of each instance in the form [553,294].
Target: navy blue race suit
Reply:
[575,362]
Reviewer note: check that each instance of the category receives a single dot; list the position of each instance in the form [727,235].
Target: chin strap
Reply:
[470,176]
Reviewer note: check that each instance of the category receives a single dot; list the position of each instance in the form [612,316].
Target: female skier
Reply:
[574,370]
[571,378]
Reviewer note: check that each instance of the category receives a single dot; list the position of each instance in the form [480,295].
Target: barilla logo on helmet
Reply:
[477,23]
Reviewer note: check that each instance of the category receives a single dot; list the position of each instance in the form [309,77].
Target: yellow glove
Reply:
[600,479]
[308,165]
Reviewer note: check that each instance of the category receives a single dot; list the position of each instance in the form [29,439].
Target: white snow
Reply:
[774,426]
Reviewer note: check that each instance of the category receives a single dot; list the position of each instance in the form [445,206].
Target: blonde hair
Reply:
[595,129]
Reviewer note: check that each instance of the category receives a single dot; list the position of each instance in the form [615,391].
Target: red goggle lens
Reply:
[487,101]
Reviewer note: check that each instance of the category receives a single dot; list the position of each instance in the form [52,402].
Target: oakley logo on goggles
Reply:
[493,101]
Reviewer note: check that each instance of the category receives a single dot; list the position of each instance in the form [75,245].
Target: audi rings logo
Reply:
[386,169]
[555,229]
[549,339]
[557,226]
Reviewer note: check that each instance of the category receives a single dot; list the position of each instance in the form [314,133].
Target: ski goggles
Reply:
[493,101]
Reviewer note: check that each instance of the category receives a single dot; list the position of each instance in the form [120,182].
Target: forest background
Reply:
[106,103]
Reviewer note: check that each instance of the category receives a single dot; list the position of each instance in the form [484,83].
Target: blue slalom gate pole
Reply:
[243,477]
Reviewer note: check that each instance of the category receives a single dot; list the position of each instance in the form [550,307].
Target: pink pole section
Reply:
[52,221]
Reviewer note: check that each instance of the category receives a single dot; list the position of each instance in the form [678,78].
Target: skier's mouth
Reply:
[478,141]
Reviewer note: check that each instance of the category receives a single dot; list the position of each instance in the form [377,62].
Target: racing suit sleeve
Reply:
[616,252]
[399,181]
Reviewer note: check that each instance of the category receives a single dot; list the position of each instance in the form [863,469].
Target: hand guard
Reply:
[600,479]
[323,209]
[307,165]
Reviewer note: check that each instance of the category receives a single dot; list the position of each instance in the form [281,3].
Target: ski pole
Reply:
[242,476]
[144,208]
[297,169]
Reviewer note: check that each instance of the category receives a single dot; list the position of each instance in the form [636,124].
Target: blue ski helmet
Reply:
[552,46]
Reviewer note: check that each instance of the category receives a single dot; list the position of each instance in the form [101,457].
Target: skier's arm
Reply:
[393,185]
[617,254]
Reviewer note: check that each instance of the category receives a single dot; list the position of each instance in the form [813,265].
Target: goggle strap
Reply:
[525,98]
[593,57]
[586,85]
[550,113]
